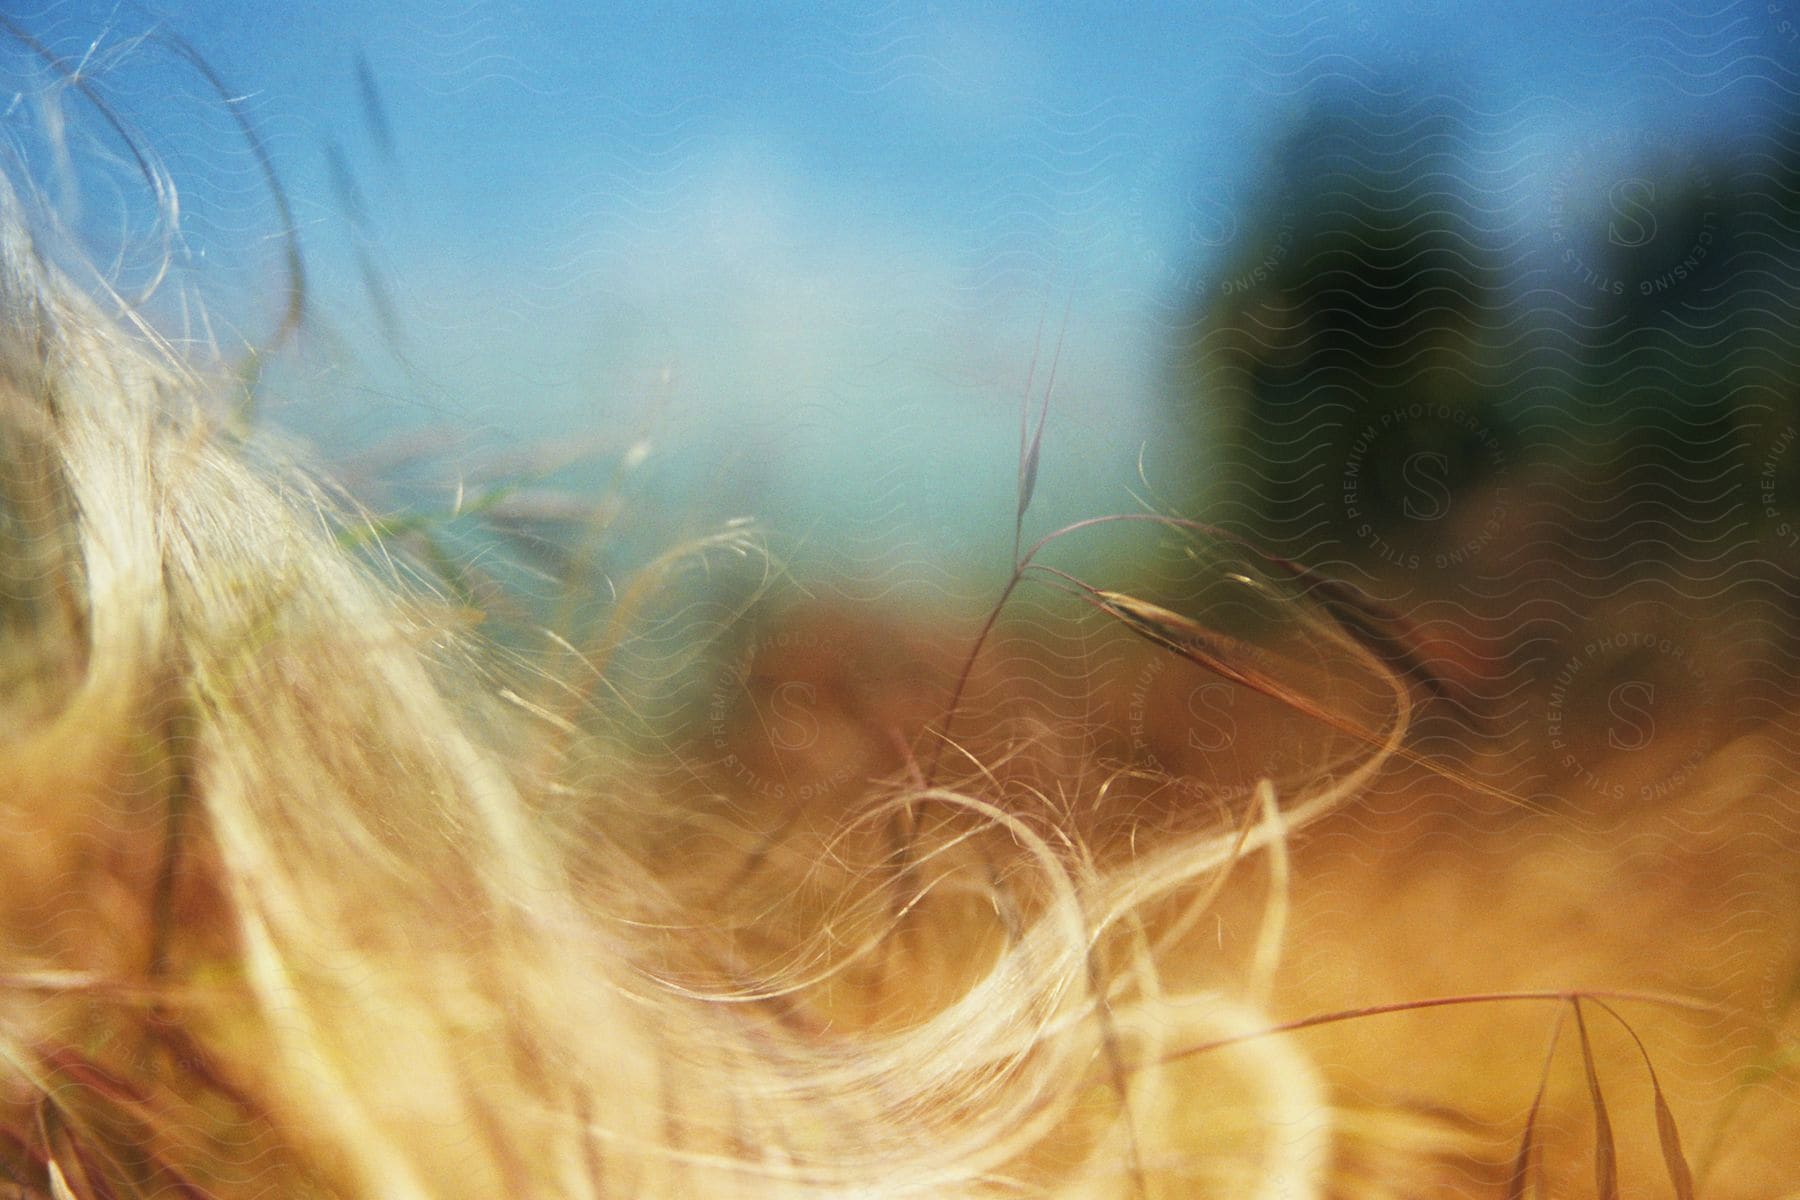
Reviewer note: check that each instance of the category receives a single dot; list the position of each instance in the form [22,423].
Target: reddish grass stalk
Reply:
[1663,1000]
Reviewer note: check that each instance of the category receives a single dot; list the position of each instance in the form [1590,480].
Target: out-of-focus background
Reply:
[702,335]
[1490,311]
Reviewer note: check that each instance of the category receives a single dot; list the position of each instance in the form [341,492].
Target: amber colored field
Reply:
[1666,896]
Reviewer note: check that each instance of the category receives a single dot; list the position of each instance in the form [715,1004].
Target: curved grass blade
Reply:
[1521,1165]
[1606,1154]
[1030,450]
[374,111]
[1681,1175]
[1231,658]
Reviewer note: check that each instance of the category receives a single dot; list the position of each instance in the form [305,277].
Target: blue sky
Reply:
[809,248]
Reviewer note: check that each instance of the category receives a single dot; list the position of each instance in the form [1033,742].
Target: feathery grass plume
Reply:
[309,892]
[300,905]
